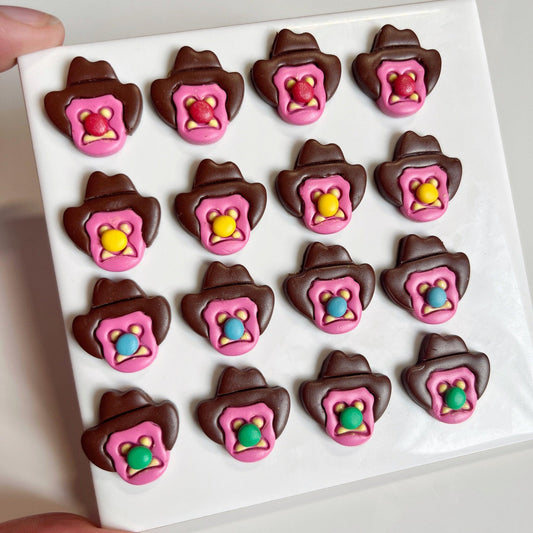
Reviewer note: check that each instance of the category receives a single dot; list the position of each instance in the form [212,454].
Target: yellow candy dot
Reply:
[114,240]
[427,193]
[224,226]
[327,205]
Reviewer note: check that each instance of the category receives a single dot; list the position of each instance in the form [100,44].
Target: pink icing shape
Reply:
[201,133]
[246,415]
[349,397]
[120,261]
[221,206]
[425,212]
[334,286]
[450,377]
[132,436]
[324,185]
[115,137]
[421,309]
[302,113]
[130,323]
[405,105]
[216,308]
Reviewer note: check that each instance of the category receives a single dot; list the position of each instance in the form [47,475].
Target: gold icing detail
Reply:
[360,405]
[318,218]
[348,315]
[442,284]
[434,182]
[223,341]
[215,238]
[394,98]
[392,77]
[414,185]
[445,410]
[422,289]
[106,255]
[246,336]
[106,112]
[115,334]
[237,424]
[190,101]
[103,228]
[262,444]
[242,314]
[155,462]
[233,213]
[125,448]
[316,195]
[136,329]
[339,407]
[143,350]
[417,207]
[146,441]
[436,203]
[461,384]
[443,387]
[414,97]
[191,125]
[340,214]
[119,358]
[212,215]
[291,82]
[312,102]
[345,293]
[310,80]
[293,106]
[239,447]
[237,234]
[328,319]
[412,75]
[211,101]
[325,296]
[335,192]
[213,123]
[258,421]
[109,134]
[128,251]
[221,318]
[428,309]
[467,406]
[126,227]
[83,115]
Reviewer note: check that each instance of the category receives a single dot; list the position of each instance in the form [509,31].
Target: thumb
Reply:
[24,30]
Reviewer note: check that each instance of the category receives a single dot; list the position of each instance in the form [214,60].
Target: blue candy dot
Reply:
[336,306]
[436,297]
[233,329]
[127,344]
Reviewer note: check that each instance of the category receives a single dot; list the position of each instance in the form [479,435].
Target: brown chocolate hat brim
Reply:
[55,103]
[296,286]
[387,174]
[288,183]
[193,305]
[75,218]
[93,440]
[84,326]
[186,203]
[163,89]
[209,411]
[365,66]
[264,70]
[414,378]
[393,280]
[312,393]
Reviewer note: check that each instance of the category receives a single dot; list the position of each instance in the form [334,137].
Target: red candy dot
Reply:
[302,92]
[404,85]
[201,112]
[95,124]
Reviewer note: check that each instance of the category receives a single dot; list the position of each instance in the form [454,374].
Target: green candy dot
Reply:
[455,398]
[351,418]
[139,457]
[249,435]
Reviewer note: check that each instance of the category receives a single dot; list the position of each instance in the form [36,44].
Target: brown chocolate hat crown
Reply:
[240,388]
[218,180]
[438,353]
[327,262]
[317,160]
[112,299]
[87,79]
[392,44]
[123,410]
[344,372]
[111,193]
[196,68]
[223,282]
[418,254]
[415,151]
[293,49]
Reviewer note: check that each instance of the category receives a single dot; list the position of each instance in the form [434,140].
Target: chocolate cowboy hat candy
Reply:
[323,189]
[420,179]
[347,398]
[114,224]
[198,98]
[133,437]
[447,380]
[222,208]
[397,73]
[231,311]
[95,109]
[330,289]
[298,78]
[246,415]
[123,326]
[428,281]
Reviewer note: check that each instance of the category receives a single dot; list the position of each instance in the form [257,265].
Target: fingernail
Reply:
[31,17]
